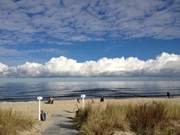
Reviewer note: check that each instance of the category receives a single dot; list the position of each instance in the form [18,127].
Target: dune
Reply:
[61,107]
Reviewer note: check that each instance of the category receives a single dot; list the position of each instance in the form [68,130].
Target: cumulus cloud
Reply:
[3,69]
[66,21]
[163,65]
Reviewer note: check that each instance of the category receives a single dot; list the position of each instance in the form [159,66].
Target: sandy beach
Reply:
[31,109]
[61,107]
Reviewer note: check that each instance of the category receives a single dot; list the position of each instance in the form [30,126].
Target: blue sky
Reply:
[85,30]
[143,48]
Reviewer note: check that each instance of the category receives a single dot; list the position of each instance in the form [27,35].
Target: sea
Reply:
[27,89]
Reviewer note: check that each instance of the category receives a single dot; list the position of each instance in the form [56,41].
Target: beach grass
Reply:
[145,118]
[11,122]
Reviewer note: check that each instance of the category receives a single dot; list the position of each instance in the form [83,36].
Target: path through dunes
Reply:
[62,125]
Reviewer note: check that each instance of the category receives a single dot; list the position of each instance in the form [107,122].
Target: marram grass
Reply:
[11,123]
[146,118]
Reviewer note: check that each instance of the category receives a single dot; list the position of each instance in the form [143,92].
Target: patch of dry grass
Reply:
[11,123]
[146,118]
[97,120]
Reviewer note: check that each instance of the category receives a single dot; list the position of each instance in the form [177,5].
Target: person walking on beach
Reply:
[168,94]
[102,99]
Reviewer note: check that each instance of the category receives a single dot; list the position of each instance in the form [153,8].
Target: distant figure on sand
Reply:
[50,100]
[102,99]
[78,100]
[168,94]
[76,108]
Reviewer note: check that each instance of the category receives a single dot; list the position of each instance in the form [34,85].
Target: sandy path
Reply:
[62,124]
[58,114]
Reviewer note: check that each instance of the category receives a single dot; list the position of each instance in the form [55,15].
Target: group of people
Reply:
[92,100]
[79,101]
[50,100]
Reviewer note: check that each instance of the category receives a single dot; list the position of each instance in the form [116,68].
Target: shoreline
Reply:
[89,98]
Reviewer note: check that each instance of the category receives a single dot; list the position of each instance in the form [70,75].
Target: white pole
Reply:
[83,97]
[39,115]
[83,103]
[39,109]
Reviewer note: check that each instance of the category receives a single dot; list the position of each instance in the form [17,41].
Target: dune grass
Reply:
[154,118]
[147,118]
[11,123]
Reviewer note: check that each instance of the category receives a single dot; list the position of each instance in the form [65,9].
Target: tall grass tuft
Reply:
[146,118]
[154,118]
[82,115]
[97,120]
[11,123]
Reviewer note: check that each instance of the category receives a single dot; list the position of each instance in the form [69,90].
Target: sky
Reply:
[89,38]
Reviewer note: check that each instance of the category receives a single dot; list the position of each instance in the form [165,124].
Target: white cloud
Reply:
[3,69]
[163,65]
[30,69]
[68,20]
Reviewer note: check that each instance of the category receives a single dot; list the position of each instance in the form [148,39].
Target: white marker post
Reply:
[83,97]
[39,98]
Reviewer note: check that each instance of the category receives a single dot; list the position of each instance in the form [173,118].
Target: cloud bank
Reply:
[163,65]
[66,21]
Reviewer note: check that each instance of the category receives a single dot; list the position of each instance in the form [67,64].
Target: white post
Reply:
[83,103]
[83,97]
[39,110]
[39,115]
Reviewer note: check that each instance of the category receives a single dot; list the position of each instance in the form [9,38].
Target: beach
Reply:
[61,108]
[31,109]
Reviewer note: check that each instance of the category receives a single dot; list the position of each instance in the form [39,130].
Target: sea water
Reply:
[25,89]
